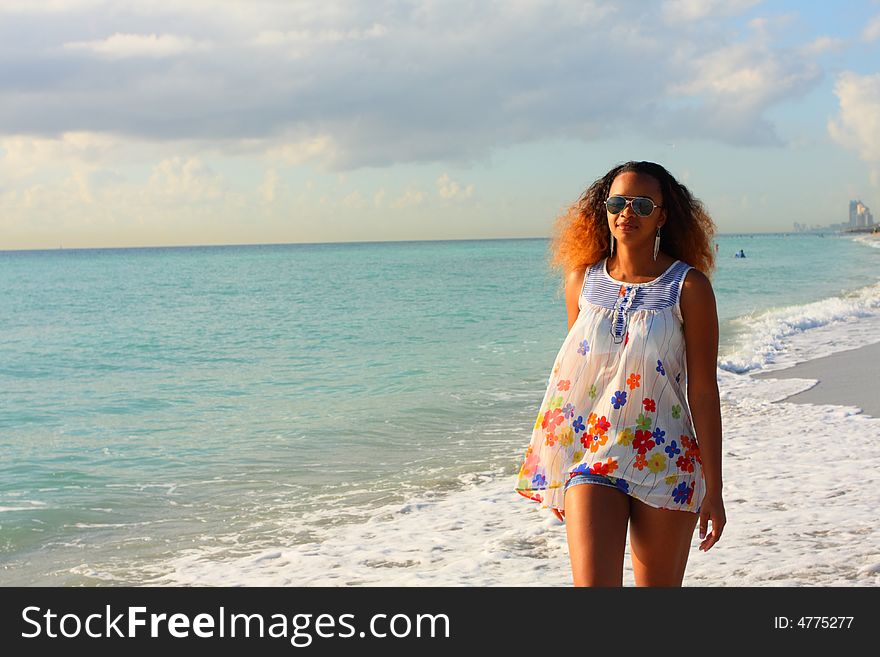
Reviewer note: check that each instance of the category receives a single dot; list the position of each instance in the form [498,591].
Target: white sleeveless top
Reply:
[616,402]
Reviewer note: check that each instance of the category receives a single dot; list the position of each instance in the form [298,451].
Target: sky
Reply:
[152,123]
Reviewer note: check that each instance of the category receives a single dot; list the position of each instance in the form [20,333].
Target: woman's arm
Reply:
[700,317]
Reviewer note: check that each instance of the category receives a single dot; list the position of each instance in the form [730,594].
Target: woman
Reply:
[629,431]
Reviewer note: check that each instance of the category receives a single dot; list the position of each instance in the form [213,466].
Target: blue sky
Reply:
[205,122]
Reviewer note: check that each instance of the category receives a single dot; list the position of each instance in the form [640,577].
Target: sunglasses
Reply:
[641,205]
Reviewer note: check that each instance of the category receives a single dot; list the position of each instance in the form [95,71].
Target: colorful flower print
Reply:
[584,348]
[552,419]
[622,484]
[550,439]
[644,422]
[568,410]
[670,479]
[658,436]
[606,468]
[578,424]
[619,399]
[643,442]
[626,339]
[565,384]
[625,437]
[539,420]
[649,404]
[633,381]
[680,493]
[672,449]
[660,368]
[582,468]
[577,456]
[593,391]
[691,495]
[539,480]
[692,448]
[597,441]
[591,420]
[555,402]
[530,464]
[676,411]
[601,425]
[684,463]
[640,462]
[566,437]
[657,463]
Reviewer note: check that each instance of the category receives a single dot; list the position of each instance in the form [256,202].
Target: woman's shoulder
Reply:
[574,278]
[696,293]
[695,280]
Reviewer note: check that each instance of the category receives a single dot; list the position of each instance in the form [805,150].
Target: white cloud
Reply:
[410,198]
[302,42]
[319,149]
[22,156]
[343,85]
[857,125]
[449,189]
[746,75]
[185,180]
[693,10]
[354,201]
[822,45]
[378,198]
[764,25]
[872,29]
[47,6]
[119,45]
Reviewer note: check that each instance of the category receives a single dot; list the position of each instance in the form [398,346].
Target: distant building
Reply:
[859,215]
[860,220]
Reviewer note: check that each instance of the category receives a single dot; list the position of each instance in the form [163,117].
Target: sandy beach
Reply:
[846,378]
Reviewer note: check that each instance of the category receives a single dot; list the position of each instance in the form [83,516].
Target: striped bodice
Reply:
[623,298]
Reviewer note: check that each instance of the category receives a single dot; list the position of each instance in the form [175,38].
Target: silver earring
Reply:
[612,247]
[657,244]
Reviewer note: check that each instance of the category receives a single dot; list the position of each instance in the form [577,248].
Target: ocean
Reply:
[337,414]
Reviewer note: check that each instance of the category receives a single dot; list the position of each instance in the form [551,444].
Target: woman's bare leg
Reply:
[659,542]
[595,522]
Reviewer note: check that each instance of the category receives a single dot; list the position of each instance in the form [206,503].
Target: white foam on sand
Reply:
[801,486]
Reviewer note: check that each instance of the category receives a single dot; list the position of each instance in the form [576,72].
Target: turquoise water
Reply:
[225,397]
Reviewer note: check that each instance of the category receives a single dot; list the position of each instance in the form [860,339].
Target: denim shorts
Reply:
[590,478]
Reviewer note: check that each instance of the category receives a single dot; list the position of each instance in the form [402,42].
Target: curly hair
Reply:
[581,236]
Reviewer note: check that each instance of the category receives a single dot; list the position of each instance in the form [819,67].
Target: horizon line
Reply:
[402,241]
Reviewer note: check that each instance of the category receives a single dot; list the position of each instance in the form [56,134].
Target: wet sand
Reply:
[847,378]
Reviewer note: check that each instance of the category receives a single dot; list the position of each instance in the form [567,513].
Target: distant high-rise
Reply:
[859,215]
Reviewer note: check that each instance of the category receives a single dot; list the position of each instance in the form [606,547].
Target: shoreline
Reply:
[844,378]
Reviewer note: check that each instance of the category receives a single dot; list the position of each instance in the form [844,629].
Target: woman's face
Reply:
[631,229]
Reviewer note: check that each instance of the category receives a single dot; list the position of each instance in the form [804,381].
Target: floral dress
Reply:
[615,403]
